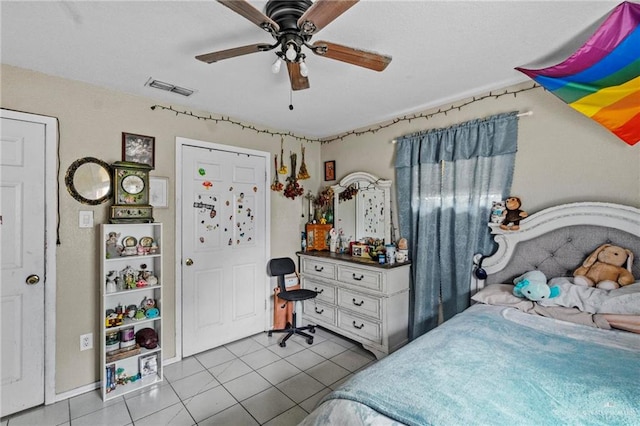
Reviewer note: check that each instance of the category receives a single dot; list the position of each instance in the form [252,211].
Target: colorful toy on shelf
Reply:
[113,319]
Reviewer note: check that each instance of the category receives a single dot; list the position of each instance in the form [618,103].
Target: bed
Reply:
[508,360]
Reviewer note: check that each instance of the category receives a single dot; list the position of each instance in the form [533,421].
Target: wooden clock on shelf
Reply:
[131,193]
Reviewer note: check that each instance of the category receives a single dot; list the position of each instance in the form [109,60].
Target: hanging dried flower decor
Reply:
[324,200]
[303,173]
[283,169]
[293,188]
[276,185]
[350,192]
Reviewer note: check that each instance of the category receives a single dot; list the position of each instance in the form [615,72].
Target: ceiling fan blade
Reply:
[298,82]
[321,13]
[361,58]
[232,53]
[246,9]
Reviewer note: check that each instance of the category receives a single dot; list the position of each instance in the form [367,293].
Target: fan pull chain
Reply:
[290,100]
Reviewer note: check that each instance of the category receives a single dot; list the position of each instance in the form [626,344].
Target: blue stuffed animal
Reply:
[532,285]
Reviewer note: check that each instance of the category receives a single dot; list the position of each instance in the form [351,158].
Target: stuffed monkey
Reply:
[514,214]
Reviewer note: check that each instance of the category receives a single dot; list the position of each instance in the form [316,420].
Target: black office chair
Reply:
[279,268]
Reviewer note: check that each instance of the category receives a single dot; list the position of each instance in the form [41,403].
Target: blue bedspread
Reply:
[497,366]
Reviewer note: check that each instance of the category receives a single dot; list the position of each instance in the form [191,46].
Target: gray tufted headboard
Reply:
[557,240]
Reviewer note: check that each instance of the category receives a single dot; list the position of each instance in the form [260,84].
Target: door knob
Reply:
[33,279]
[189,262]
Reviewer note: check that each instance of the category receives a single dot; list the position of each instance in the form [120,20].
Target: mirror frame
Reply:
[373,181]
[71,171]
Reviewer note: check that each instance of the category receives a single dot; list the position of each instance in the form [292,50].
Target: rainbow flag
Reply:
[602,78]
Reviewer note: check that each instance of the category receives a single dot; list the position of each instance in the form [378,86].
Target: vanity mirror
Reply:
[362,206]
[88,180]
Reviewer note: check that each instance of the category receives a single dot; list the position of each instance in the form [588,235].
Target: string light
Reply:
[373,129]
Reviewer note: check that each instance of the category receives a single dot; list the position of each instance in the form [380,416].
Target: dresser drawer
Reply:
[362,304]
[365,278]
[326,292]
[370,330]
[319,311]
[318,268]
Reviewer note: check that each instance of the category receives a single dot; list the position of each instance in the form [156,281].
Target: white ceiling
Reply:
[442,51]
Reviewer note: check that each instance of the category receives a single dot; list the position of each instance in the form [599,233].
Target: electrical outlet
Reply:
[86,341]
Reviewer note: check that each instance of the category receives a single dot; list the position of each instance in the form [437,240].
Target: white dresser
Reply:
[359,299]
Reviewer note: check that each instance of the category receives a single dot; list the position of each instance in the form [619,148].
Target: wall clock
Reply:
[131,193]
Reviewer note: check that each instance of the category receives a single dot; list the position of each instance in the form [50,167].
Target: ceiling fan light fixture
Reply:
[291,53]
[304,70]
[292,23]
[275,68]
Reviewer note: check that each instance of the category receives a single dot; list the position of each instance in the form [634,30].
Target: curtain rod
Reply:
[522,114]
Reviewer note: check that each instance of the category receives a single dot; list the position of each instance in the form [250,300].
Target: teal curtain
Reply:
[446,180]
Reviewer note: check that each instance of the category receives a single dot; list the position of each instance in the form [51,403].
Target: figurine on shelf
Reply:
[129,275]
[113,249]
[111,281]
[143,274]
[119,283]
[131,311]
[154,248]
[148,303]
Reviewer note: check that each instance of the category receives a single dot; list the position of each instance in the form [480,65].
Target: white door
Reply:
[22,232]
[224,247]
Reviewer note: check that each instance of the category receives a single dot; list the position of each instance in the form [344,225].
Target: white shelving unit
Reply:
[124,358]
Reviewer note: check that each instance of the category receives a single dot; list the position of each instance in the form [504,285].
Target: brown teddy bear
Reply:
[514,214]
[603,268]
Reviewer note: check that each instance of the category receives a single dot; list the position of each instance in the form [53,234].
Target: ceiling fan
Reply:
[292,23]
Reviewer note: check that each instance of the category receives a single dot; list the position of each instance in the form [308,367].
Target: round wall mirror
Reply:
[88,180]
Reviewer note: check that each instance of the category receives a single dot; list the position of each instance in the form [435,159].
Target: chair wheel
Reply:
[283,344]
[312,330]
[269,334]
[310,340]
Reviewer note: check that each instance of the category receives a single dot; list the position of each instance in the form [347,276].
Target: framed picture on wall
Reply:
[330,170]
[138,148]
[159,192]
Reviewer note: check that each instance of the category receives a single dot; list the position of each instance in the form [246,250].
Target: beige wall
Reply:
[562,157]
[92,120]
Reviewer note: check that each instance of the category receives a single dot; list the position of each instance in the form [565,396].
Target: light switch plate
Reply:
[85,219]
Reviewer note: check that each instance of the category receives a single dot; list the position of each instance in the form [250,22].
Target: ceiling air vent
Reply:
[168,87]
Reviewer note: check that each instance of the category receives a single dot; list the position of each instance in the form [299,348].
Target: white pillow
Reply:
[499,294]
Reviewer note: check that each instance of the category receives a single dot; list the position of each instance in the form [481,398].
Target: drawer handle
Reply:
[356,326]
[318,291]
[358,278]
[318,311]
[318,269]
[358,304]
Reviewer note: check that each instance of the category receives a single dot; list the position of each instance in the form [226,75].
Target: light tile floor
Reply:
[249,382]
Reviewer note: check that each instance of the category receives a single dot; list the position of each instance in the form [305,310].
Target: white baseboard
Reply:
[93,386]
[77,391]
